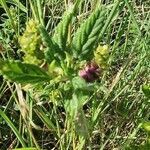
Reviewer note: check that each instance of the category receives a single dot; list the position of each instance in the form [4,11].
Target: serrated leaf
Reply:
[17,71]
[86,36]
[61,31]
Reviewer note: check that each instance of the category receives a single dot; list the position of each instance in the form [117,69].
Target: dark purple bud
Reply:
[83,74]
[91,72]
[92,67]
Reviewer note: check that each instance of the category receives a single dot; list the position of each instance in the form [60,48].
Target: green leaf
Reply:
[17,71]
[53,51]
[76,103]
[61,31]
[146,90]
[86,36]
[14,129]
[79,83]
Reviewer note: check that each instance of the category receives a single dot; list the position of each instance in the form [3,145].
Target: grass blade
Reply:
[14,129]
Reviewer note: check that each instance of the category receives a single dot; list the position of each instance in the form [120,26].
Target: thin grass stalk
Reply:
[18,11]
[132,15]
[33,10]
[26,113]
[2,89]
[57,124]
[131,136]
[14,129]
[34,140]
[30,116]
[38,110]
[40,12]
[113,11]
[102,106]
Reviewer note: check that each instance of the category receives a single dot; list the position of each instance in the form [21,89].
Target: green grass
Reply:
[66,112]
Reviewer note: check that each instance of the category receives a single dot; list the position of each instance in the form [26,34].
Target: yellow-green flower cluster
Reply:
[101,55]
[30,43]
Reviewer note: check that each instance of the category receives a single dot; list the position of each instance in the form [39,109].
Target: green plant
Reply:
[58,54]
[77,86]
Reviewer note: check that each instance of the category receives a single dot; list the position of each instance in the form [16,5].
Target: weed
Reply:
[77,80]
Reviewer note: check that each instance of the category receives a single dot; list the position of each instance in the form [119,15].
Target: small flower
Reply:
[101,55]
[30,43]
[91,72]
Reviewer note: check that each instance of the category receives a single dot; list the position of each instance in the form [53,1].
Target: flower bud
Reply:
[91,72]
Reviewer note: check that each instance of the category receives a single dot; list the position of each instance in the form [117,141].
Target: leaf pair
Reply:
[83,41]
